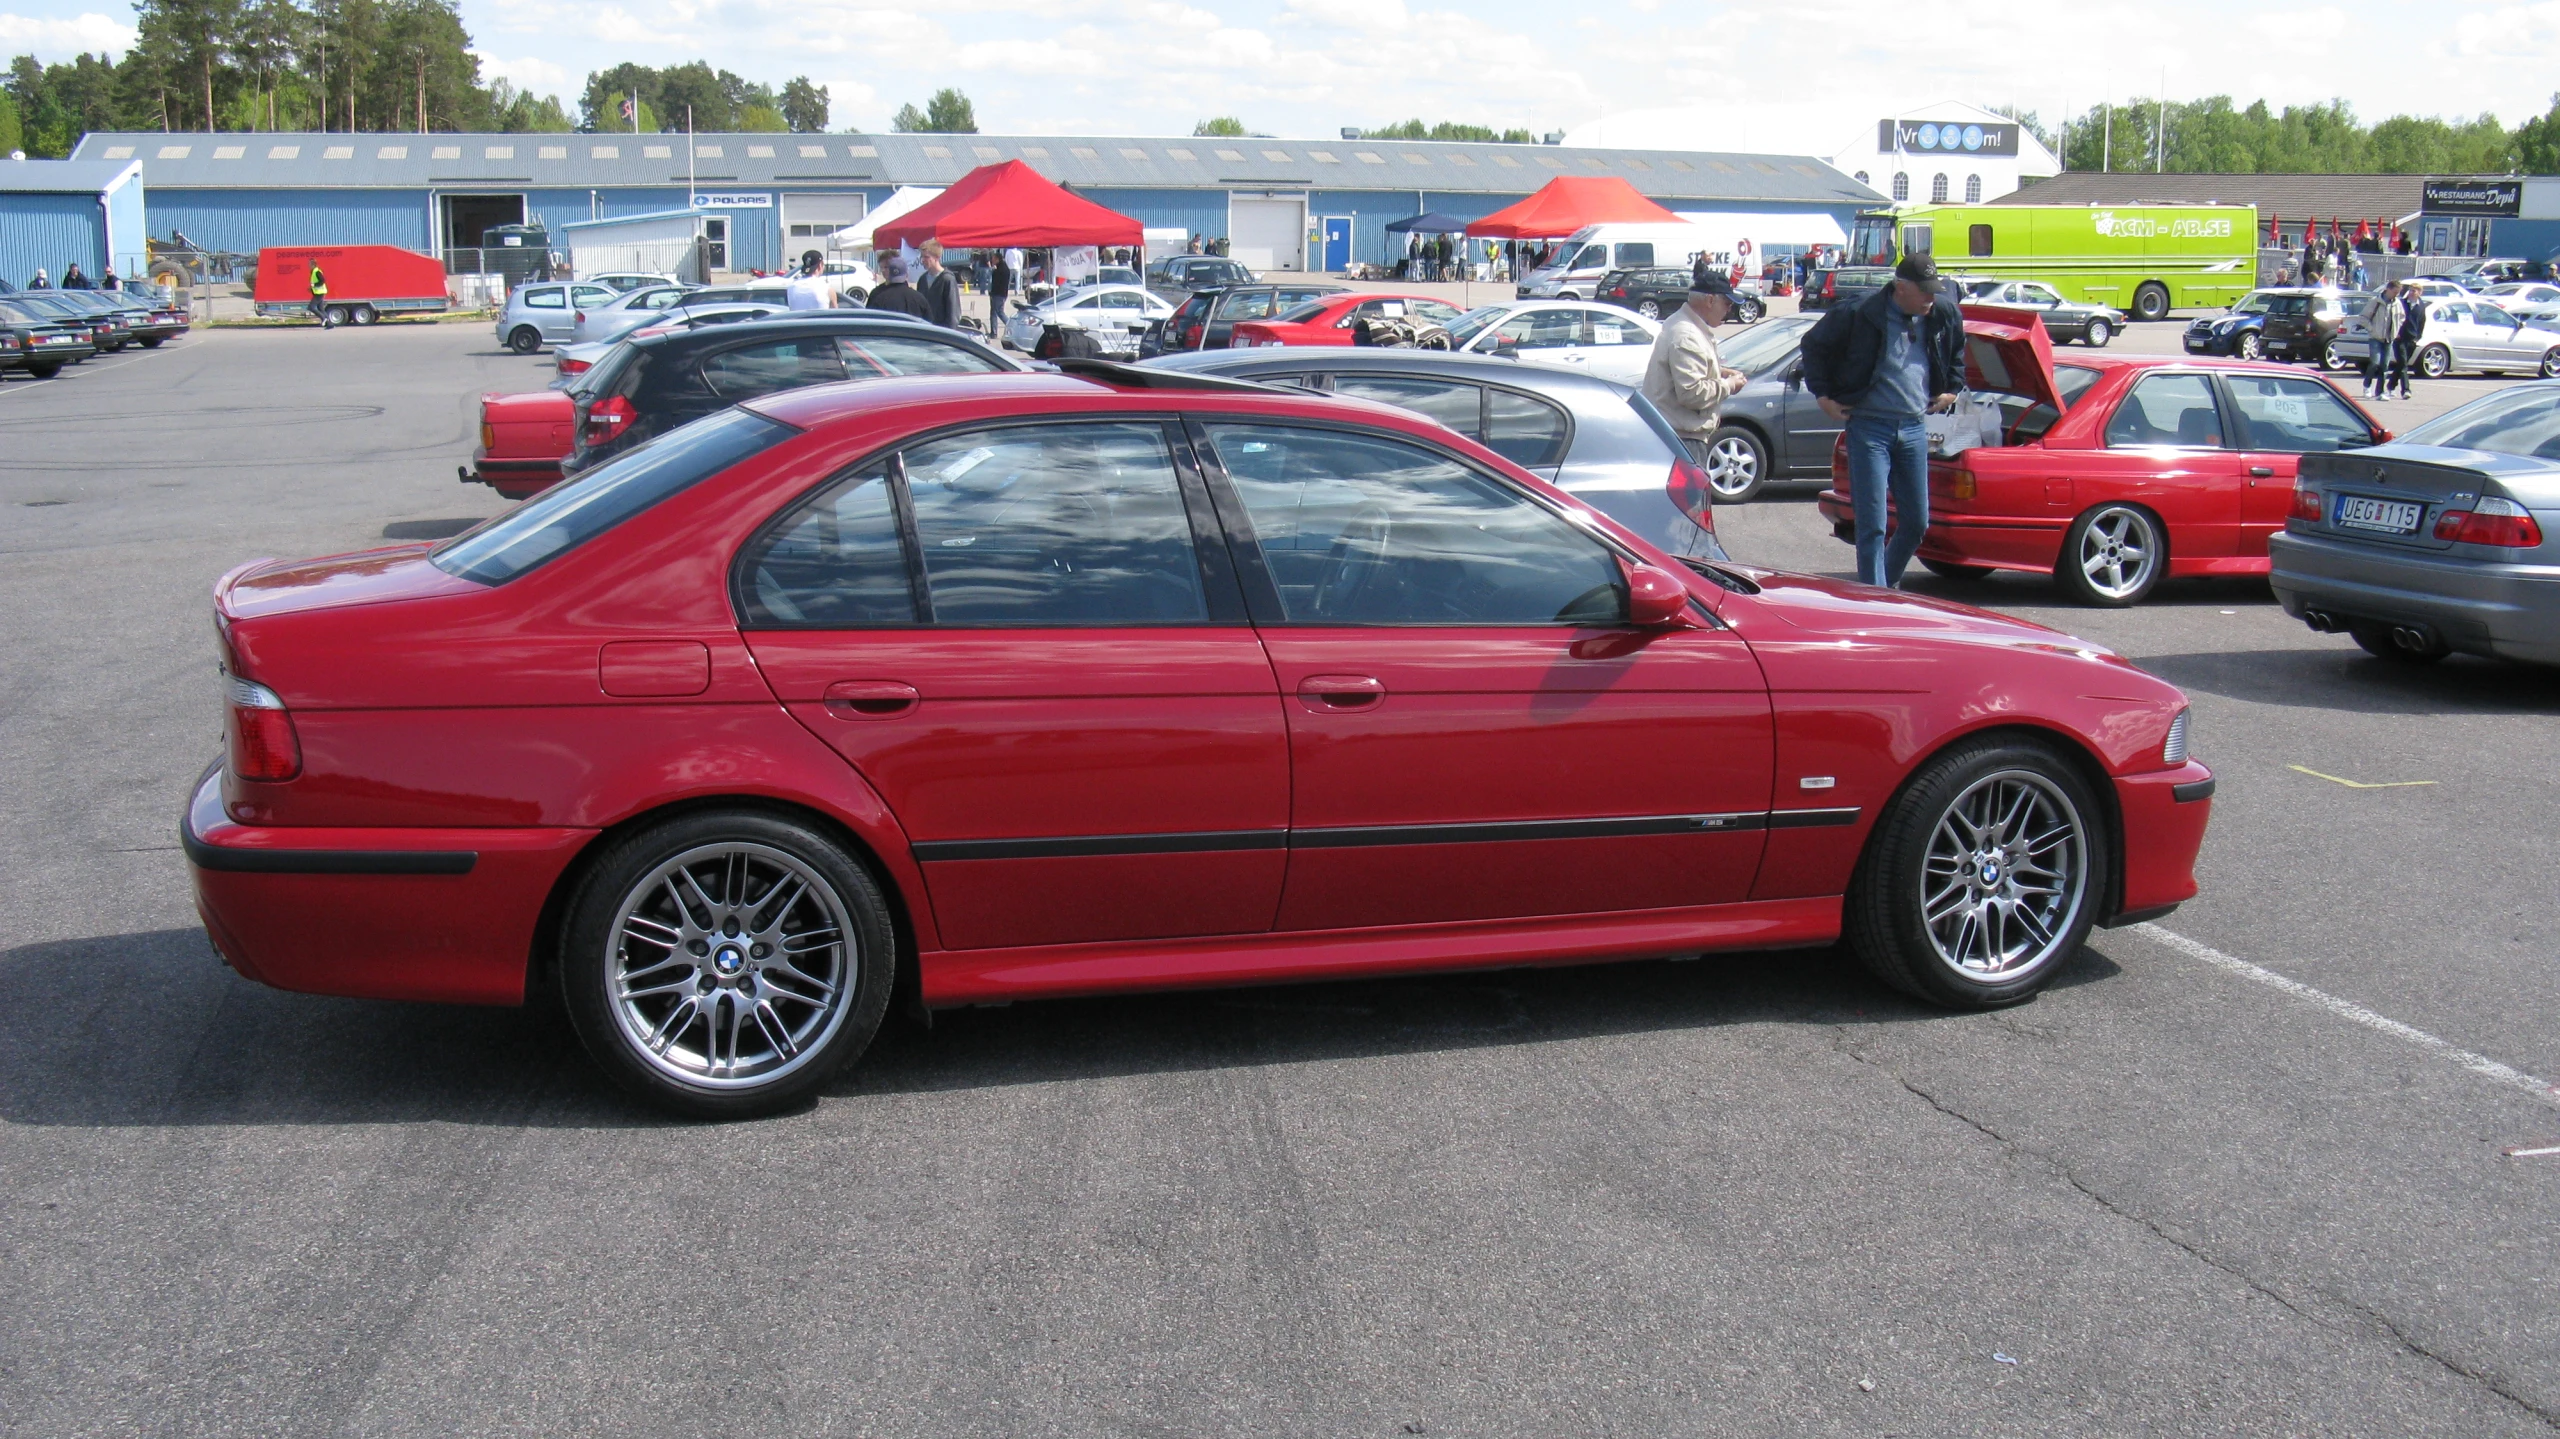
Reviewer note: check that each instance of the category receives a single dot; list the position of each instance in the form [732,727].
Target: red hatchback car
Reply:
[1021,685]
[1336,319]
[2115,471]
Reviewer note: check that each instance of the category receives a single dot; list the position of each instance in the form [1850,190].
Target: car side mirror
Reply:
[1656,599]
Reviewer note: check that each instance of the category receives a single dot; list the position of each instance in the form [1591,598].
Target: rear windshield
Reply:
[2073,381]
[567,516]
[2522,421]
[1300,314]
[2288,304]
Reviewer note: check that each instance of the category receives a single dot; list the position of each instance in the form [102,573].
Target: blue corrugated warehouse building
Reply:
[1305,204]
[55,212]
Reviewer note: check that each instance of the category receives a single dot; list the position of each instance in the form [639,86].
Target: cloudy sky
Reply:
[1802,75]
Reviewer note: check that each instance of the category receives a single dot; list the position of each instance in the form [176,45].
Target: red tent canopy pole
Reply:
[1008,204]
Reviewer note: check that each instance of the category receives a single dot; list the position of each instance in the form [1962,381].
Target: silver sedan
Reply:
[2440,542]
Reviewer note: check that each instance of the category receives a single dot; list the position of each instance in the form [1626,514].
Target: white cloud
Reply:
[55,37]
[531,74]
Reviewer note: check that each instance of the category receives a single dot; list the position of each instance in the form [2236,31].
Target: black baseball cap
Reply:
[1712,282]
[1920,269]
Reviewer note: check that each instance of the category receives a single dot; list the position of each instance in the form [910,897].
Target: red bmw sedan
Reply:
[2113,472]
[997,687]
[1336,319]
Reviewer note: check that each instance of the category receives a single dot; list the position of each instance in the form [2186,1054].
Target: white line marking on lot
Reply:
[2347,1009]
[75,372]
[2529,1151]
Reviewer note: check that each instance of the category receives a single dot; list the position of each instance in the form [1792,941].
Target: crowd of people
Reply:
[73,278]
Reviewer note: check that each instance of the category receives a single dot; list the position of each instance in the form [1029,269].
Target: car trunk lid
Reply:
[2435,480]
[2007,350]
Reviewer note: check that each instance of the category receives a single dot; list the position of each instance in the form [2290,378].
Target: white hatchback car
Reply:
[1117,314]
[1568,334]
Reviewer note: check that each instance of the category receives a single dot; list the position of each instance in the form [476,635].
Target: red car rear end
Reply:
[522,439]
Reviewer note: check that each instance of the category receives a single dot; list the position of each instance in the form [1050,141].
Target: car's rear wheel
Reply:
[2113,555]
[2331,358]
[2435,362]
[2249,346]
[525,340]
[152,342]
[1737,465]
[45,370]
[1650,309]
[1982,877]
[2097,335]
[2381,642]
[724,964]
[2151,301]
[1950,570]
[2551,363]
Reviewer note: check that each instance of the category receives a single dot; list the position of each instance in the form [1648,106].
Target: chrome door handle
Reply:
[2260,472]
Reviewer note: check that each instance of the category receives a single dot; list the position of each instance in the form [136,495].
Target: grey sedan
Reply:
[1595,439]
[2091,324]
[628,311]
[2438,542]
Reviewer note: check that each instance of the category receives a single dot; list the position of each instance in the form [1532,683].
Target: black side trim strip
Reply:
[322,861]
[1045,848]
[1811,818]
[2190,793]
[1362,836]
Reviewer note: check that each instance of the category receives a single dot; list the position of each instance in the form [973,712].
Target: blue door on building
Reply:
[1337,243]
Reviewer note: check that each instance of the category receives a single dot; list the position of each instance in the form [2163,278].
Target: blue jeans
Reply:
[1888,452]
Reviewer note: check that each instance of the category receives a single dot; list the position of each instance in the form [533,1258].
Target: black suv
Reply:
[1656,292]
[1207,321]
[645,387]
[1846,285]
[1177,275]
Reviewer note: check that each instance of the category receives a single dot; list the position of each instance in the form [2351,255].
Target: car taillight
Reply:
[2492,521]
[2306,503]
[1689,490]
[1191,334]
[575,367]
[608,418]
[259,737]
[1961,485]
[578,317]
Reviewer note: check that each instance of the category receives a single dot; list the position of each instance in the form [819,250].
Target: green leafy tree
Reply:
[804,106]
[520,112]
[762,120]
[12,135]
[693,89]
[947,113]
[191,42]
[1223,125]
[2537,142]
[1414,129]
[600,104]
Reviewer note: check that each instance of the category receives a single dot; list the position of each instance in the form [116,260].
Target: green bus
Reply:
[2145,260]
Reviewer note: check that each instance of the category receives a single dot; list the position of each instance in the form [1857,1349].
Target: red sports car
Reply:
[1336,319]
[995,687]
[2115,471]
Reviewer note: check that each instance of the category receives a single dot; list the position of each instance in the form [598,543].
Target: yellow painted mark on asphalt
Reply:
[2360,784]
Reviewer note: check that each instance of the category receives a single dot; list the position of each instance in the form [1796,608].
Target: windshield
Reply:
[2522,421]
[571,514]
[1871,240]
[1475,322]
[1766,345]
[2253,303]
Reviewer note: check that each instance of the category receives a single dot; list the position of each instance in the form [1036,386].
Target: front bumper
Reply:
[2164,822]
[2497,611]
[447,915]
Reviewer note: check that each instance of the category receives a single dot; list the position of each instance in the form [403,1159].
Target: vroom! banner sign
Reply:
[1954,137]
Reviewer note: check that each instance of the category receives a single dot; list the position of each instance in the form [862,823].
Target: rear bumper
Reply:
[515,478]
[448,915]
[2491,610]
[2164,822]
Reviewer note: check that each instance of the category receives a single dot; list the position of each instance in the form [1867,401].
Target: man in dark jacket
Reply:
[2404,346]
[1878,366]
[940,289]
[894,293]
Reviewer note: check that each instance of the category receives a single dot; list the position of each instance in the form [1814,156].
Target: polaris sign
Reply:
[724,200]
[1952,137]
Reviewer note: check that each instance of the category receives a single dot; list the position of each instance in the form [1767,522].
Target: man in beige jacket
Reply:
[1685,378]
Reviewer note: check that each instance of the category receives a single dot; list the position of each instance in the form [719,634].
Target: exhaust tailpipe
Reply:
[2323,622]
[2409,637]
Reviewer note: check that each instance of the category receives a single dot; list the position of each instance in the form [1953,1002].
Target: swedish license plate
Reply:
[2389,517]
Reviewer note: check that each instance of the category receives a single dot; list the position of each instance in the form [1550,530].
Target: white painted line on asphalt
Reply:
[2529,1151]
[2349,1010]
[75,372]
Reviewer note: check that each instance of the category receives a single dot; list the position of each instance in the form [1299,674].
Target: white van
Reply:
[1595,250]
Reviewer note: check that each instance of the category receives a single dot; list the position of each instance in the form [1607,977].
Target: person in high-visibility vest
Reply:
[319,294]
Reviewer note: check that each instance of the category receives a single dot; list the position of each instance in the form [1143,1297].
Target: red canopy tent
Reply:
[1566,204]
[1008,204]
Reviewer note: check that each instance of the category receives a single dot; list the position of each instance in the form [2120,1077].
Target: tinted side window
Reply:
[2293,416]
[866,356]
[837,563]
[1441,401]
[1638,252]
[545,300]
[1357,529]
[2168,410]
[1252,305]
[762,369]
[1527,432]
[1067,524]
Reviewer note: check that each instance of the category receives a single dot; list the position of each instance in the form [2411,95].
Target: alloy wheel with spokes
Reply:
[2007,867]
[2113,555]
[1737,464]
[1983,876]
[725,964]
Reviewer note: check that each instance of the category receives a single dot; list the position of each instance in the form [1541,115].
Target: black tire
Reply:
[1747,311]
[2249,346]
[46,369]
[2330,359]
[716,965]
[1950,570]
[363,315]
[1927,856]
[2097,335]
[334,316]
[152,342]
[1737,465]
[854,297]
[2435,362]
[2376,641]
[2551,363]
[2113,556]
[525,340]
[2151,301]
[1650,309]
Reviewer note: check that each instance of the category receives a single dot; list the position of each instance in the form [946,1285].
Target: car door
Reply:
[1475,732]
[1615,346]
[561,325]
[2166,449]
[2276,420]
[547,306]
[2505,343]
[1028,640]
[2449,324]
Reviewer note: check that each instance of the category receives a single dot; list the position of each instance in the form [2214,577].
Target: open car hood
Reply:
[2007,350]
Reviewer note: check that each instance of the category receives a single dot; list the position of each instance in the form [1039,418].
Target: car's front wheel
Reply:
[2249,346]
[1982,878]
[2113,555]
[2435,362]
[524,340]
[1737,465]
[724,964]
[2097,335]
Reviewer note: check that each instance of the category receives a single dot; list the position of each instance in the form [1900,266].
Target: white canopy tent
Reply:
[858,236]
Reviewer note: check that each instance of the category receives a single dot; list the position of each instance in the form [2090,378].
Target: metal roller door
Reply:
[1267,234]
[807,220]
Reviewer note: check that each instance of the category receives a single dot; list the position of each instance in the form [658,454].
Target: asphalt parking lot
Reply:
[2240,1172]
